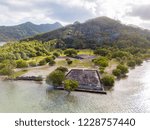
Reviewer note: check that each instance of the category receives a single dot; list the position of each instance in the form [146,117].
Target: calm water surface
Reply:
[128,95]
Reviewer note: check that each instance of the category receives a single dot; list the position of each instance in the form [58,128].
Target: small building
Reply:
[89,80]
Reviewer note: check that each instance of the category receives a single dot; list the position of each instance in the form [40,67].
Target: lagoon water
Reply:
[128,95]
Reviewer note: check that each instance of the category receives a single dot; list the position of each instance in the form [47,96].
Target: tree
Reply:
[131,63]
[51,63]
[63,69]
[32,63]
[123,69]
[101,61]
[21,64]
[50,60]
[138,61]
[55,78]
[101,69]
[24,56]
[70,85]
[7,70]
[56,54]
[17,55]
[119,54]
[42,62]
[117,72]
[70,52]
[108,80]
[69,62]
[101,51]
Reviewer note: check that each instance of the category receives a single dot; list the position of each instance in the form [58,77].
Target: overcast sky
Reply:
[14,12]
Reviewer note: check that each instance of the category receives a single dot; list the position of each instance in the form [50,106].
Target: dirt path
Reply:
[40,70]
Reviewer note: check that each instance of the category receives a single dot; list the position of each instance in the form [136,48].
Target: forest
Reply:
[114,47]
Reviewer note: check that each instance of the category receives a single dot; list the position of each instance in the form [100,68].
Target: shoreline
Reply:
[43,71]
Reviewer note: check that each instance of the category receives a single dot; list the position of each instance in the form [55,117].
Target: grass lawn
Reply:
[112,65]
[76,63]
[18,73]
[85,52]
[37,59]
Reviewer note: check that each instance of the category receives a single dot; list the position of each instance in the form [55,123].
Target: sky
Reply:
[134,12]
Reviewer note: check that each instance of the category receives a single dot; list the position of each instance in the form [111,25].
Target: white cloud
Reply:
[68,11]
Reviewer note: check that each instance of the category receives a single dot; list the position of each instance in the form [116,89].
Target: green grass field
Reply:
[86,63]
[18,73]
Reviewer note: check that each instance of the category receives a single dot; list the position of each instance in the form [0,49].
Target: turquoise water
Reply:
[128,95]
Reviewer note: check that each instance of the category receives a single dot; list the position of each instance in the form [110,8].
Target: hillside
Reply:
[8,33]
[97,32]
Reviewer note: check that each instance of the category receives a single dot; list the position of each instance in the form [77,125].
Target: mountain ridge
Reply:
[95,33]
[24,30]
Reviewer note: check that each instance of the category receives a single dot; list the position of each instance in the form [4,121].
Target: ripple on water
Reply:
[131,94]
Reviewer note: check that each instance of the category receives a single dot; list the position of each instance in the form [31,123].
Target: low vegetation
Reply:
[120,71]
[34,53]
[70,85]
[70,52]
[101,61]
[63,69]
[56,78]
[108,80]
[21,64]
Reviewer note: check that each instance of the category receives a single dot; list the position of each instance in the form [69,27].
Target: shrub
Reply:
[138,61]
[123,69]
[70,85]
[101,51]
[69,62]
[63,69]
[2,66]
[131,63]
[21,64]
[56,54]
[108,80]
[119,54]
[32,63]
[51,63]
[55,78]
[7,70]
[70,52]
[10,63]
[101,61]
[49,58]
[101,69]
[117,72]
[53,57]
[42,62]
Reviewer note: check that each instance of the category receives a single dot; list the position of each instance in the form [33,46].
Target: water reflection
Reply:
[131,94]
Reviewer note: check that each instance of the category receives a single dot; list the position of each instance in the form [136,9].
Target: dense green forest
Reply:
[96,33]
[109,41]
[8,33]
[18,55]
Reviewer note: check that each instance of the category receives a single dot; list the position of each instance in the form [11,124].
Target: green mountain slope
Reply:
[8,33]
[97,32]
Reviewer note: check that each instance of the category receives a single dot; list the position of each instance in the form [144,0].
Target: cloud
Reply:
[145,25]
[46,10]
[141,11]
[68,14]
[68,11]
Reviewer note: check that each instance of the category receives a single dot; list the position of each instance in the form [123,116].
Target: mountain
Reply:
[97,32]
[28,29]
